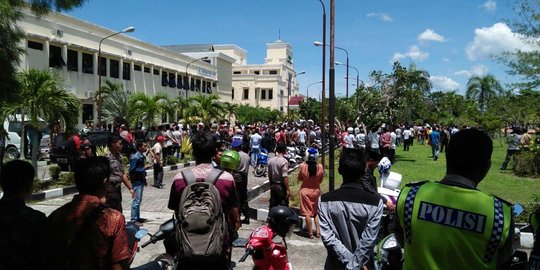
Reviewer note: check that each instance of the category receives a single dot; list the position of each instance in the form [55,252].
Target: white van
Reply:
[13,125]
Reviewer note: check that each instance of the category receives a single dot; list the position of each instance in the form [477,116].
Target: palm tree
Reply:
[482,89]
[145,108]
[43,95]
[206,107]
[182,107]
[229,110]
[116,106]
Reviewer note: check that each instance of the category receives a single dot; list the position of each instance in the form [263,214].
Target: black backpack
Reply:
[202,227]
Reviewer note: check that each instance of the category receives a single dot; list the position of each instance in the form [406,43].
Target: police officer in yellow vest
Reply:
[450,224]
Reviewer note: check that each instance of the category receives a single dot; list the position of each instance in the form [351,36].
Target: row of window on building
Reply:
[256,72]
[266,94]
[167,78]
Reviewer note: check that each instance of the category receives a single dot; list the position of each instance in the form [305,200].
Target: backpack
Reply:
[202,227]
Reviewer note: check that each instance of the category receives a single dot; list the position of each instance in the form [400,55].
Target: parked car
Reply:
[13,125]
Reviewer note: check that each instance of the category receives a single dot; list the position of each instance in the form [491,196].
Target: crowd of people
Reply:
[347,220]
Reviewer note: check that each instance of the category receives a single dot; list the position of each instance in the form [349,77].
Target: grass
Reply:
[417,165]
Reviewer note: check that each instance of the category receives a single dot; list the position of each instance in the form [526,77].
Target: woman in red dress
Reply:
[311,175]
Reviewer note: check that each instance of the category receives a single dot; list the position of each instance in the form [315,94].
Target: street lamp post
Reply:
[357,73]
[347,64]
[323,99]
[289,93]
[186,87]
[100,94]
[307,91]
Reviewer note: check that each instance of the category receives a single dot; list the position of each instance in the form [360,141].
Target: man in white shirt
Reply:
[157,156]
[406,139]
[254,145]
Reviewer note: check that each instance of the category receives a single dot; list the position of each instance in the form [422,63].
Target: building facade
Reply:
[267,85]
[71,47]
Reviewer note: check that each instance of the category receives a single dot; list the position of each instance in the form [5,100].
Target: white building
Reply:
[70,46]
[265,85]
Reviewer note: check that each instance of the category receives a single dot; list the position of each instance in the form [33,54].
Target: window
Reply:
[232,93]
[172,80]
[72,60]
[179,81]
[198,85]
[137,67]
[270,94]
[204,86]
[102,64]
[246,93]
[256,72]
[115,68]
[209,88]
[146,70]
[35,45]
[164,79]
[87,63]
[263,93]
[186,82]
[192,84]
[126,71]
[237,72]
[272,72]
[55,57]
[156,71]
[87,112]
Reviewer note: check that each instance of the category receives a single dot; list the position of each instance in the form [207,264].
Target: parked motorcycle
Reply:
[160,261]
[134,235]
[292,156]
[267,254]
[262,163]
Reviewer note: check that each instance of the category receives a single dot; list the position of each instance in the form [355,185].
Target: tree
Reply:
[43,95]
[206,107]
[229,110]
[311,109]
[115,102]
[482,89]
[145,108]
[525,63]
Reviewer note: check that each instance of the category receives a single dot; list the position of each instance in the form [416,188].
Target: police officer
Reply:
[118,176]
[450,224]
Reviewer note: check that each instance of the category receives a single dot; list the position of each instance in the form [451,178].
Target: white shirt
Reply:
[406,134]
[158,151]
[394,137]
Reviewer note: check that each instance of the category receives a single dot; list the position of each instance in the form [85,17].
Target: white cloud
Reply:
[430,35]
[478,70]
[446,60]
[443,83]
[382,16]
[489,5]
[414,53]
[495,40]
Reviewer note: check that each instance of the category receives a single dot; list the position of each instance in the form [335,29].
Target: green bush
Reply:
[67,179]
[527,163]
[172,160]
[529,207]
[54,172]
[39,185]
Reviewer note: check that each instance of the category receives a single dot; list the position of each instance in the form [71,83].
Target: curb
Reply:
[58,192]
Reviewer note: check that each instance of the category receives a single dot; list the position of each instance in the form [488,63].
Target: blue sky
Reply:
[450,39]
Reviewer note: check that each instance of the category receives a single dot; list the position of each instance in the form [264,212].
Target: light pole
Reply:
[289,93]
[100,96]
[307,91]
[186,86]
[317,43]
[323,99]
[357,73]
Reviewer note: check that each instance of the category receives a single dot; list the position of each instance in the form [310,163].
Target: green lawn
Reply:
[416,165]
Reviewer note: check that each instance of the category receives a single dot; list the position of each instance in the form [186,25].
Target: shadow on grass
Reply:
[398,158]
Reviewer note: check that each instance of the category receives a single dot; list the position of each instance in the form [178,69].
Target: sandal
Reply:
[317,235]
[311,236]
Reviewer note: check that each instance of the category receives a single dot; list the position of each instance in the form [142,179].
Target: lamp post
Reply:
[323,73]
[316,43]
[289,93]
[187,66]
[100,94]
[347,77]
[307,91]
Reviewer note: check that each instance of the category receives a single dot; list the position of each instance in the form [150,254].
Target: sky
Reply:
[452,40]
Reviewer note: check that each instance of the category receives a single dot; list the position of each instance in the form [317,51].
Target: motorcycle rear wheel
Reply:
[260,170]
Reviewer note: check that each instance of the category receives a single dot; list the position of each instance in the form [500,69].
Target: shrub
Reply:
[67,179]
[186,146]
[54,172]
[40,185]
[102,151]
[172,160]
[529,207]
[527,163]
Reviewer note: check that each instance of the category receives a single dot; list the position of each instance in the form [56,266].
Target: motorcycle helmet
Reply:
[350,130]
[282,220]
[312,154]
[230,160]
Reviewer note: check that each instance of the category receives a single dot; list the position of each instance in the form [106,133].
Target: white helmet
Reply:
[357,130]
[350,130]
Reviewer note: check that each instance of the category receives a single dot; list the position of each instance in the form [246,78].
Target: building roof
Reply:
[295,101]
[190,48]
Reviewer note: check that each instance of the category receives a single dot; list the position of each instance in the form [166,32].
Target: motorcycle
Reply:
[262,163]
[267,254]
[134,235]
[160,261]
[292,156]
